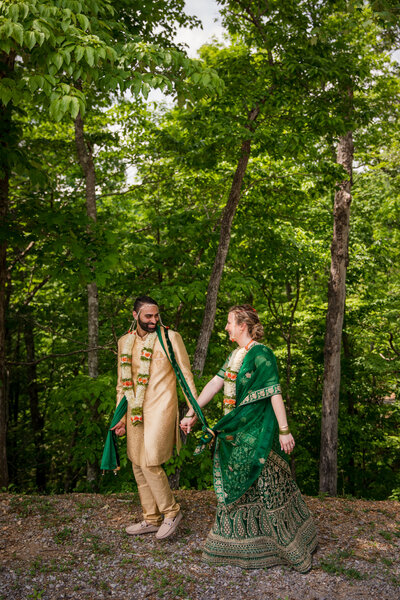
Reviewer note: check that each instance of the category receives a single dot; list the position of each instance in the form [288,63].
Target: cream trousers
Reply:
[155,494]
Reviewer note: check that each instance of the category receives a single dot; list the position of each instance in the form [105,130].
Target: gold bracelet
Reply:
[188,416]
[284,431]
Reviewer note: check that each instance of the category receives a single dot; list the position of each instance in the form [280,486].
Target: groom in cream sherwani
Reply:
[152,419]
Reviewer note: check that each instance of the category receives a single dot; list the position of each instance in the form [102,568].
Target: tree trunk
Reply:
[222,251]
[3,372]
[349,371]
[85,157]
[37,420]
[6,66]
[334,321]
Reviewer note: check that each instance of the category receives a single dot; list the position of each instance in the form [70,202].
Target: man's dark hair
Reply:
[141,300]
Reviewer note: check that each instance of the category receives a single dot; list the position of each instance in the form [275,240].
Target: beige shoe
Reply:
[143,527]
[169,526]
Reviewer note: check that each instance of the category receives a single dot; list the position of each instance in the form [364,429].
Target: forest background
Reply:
[237,189]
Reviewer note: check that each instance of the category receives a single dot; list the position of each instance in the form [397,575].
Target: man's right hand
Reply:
[119,428]
[187,423]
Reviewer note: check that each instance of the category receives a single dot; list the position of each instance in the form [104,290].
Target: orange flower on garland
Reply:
[135,400]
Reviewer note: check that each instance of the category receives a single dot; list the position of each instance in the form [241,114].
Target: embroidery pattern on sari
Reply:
[269,525]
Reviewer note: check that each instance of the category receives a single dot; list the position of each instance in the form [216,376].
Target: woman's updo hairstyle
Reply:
[245,313]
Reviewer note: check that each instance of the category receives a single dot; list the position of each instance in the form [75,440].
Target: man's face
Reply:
[147,318]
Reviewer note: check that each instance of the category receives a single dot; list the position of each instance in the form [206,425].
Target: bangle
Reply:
[188,416]
[284,431]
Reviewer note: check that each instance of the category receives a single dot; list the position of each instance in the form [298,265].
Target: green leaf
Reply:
[89,55]
[25,9]
[5,95]
[83,22]
[13,12]
[5,46]
[79,52]
[74,107]
[56,109]
[145,90]
[40,37]
[30,39]
[57,60]
[196,77]
[205,79]
[18,33]
[65,102]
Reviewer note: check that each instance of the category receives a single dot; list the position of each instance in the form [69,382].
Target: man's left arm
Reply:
[182,358]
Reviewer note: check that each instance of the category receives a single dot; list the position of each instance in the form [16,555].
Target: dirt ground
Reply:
[74,547]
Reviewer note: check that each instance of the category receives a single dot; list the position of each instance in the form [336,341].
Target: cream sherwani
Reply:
[149,444]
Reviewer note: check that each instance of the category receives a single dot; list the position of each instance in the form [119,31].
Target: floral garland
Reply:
[135,401]
[231,373]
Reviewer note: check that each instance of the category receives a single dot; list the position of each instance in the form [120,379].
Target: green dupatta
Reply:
[110,458]
[246,435]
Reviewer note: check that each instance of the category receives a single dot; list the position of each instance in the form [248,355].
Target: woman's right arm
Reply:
[210,389]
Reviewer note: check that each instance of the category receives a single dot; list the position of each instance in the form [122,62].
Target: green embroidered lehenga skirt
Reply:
[269,525]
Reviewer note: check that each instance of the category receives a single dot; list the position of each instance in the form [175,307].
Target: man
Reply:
[147,380]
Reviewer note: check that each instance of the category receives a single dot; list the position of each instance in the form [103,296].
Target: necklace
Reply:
[135,400]
[231,373]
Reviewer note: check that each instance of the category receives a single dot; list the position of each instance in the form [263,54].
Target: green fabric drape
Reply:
[246,435]
[110,459]
[208,434]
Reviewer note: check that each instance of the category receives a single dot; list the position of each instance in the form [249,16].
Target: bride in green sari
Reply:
[261,519]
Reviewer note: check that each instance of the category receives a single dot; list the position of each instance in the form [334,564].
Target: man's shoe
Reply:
[143,527]
[168,527]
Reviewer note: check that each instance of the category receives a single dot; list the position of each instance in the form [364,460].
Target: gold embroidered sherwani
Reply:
[151,443]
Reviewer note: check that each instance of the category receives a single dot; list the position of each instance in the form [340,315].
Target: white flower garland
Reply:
[135,401]
[231,373]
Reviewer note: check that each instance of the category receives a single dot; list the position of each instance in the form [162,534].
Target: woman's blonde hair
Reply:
[245,313]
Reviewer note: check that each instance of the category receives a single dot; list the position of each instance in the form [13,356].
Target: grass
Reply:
[28,506]
[333,564]
[387,535]
[36,594]
[63,536]
[97,546]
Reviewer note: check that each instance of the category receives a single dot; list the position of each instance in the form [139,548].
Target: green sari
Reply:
[261,518]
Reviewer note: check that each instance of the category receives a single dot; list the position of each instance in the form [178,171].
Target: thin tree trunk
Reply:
[6,66]
[334,321]
[3,372]
[37,420]
[85,157]
[222,251]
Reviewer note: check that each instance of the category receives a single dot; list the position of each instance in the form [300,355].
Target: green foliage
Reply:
[163,177]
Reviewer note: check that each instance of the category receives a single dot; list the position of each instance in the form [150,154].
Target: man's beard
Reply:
[148,327]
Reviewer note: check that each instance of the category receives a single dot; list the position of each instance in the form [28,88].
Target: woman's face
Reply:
[234,330]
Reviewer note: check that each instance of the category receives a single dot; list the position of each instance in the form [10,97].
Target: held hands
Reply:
[187,423]
[119,428]
[287,443]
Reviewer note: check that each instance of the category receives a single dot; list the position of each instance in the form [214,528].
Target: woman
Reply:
[261,518]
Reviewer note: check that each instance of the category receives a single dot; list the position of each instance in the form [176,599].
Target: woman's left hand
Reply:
[287,443]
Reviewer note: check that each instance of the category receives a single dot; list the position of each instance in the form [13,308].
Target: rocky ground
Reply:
[75,547]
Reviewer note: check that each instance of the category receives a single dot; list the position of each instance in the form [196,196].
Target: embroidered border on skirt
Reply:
[269,525]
